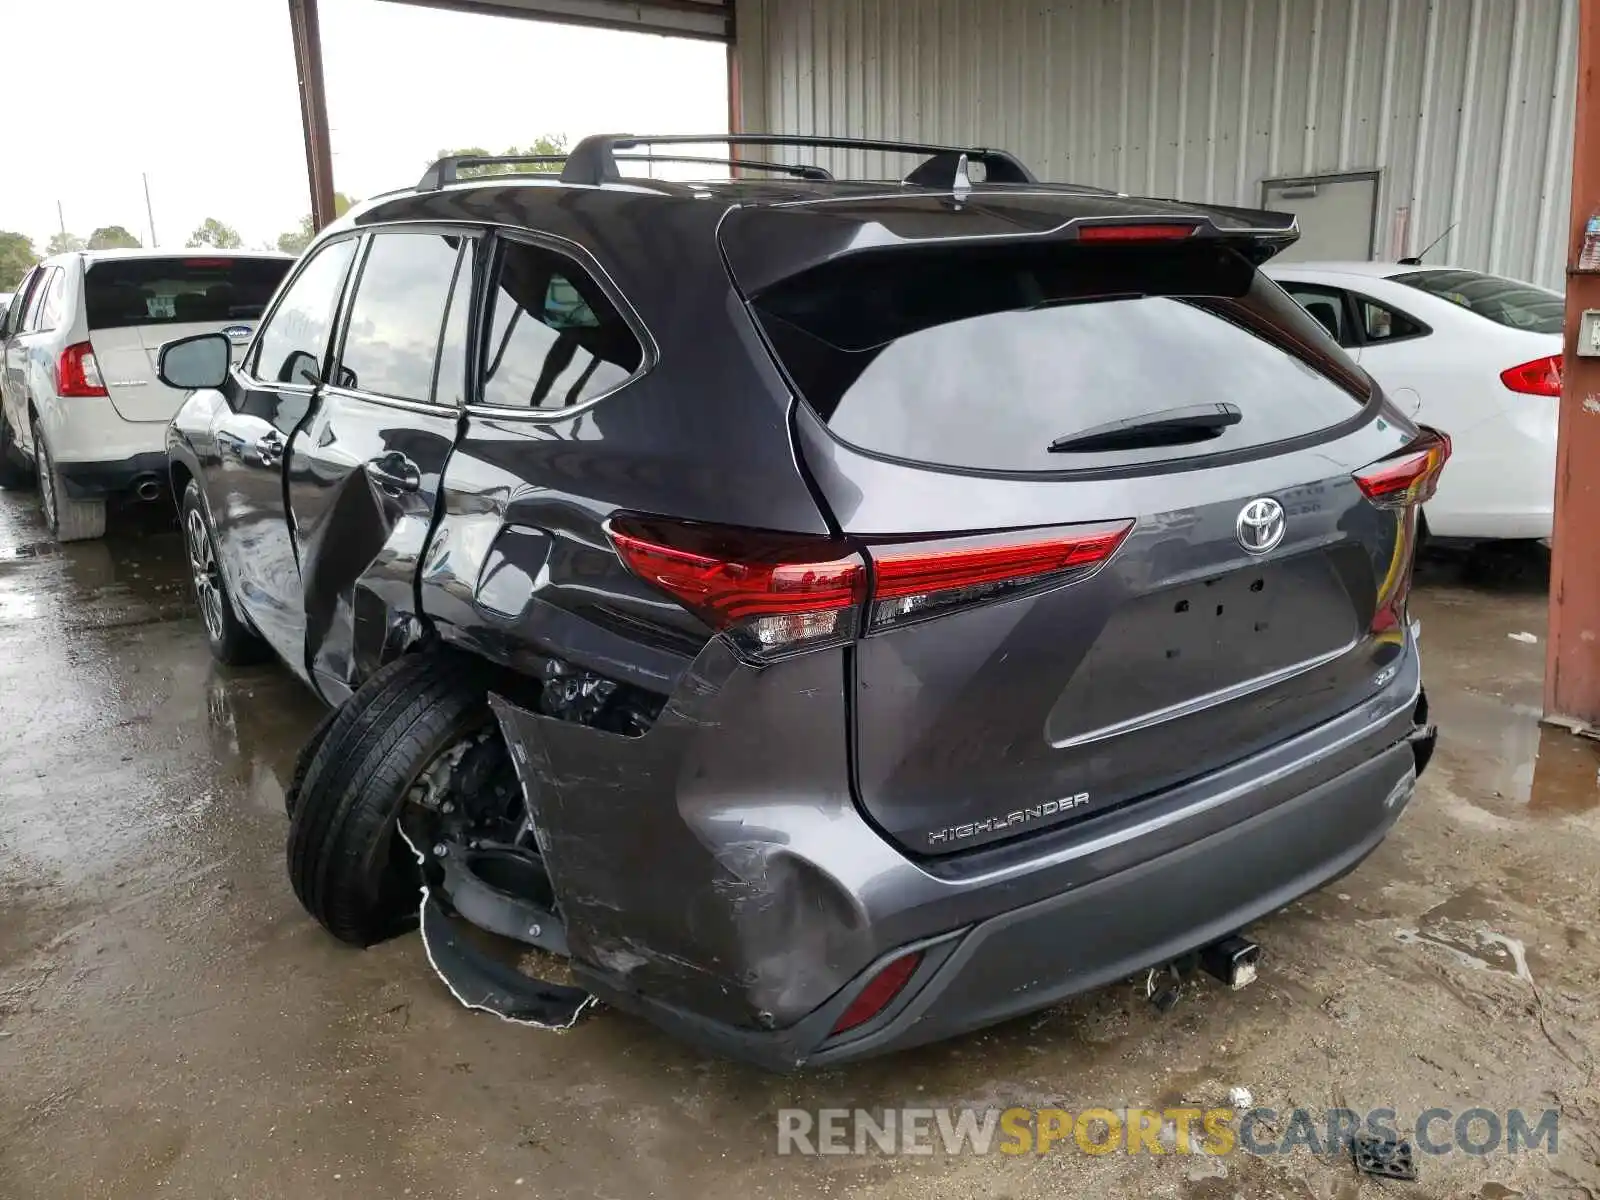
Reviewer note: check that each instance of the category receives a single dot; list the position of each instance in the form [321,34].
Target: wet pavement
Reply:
[172,1024]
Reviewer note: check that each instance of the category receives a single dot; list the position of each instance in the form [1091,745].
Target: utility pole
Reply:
[61,218]
[148,211]
[1572,658]
[307,33]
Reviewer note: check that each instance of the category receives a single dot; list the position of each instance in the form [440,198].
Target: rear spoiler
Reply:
[767,244]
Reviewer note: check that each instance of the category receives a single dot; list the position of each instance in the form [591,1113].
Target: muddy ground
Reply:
[172,1024]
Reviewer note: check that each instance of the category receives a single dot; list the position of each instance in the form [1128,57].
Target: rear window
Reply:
[175,291]
[982,358]
[1503,301]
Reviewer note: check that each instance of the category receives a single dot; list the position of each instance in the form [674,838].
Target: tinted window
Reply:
[393,335]
[294,340]
[172,291]
[450,386]
[982,357]
[1380,323]
[1503,301]
[1326,307]
[554,339]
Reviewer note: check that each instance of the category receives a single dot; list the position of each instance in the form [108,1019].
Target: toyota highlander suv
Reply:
[829,615]
[81,409]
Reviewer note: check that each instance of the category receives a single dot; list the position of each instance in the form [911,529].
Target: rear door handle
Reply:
[394,472]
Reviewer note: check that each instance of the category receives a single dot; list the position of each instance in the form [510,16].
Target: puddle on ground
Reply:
[1513,758]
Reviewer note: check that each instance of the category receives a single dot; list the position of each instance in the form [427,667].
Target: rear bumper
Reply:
[727,892]
[92,480]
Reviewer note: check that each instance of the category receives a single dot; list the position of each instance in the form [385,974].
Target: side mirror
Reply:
[200,361]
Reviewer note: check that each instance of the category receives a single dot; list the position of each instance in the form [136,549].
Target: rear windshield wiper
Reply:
[1166,427]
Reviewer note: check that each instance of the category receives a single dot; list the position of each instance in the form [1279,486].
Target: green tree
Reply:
[63,243]
[113,237]
[296,240]
[212,232]
[548,144]
[16,256]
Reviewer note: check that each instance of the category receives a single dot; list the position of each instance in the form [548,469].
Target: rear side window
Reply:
[292,343]
[981,358]
[1503,301]
[555,339]
[177,291]
[392,341]
[50,308]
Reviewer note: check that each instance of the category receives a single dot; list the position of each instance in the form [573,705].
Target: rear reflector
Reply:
[1409,477]
[1146,231]
[1541,377]
[773,594]
[879,992]
[777,594]
[919,579]
[77,372]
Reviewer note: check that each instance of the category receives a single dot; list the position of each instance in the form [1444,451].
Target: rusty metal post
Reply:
[1572,655]
[313,107]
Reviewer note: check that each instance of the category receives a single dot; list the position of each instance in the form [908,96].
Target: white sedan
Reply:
[1474,355]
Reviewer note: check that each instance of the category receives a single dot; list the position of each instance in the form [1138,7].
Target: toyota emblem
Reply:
[1260,525]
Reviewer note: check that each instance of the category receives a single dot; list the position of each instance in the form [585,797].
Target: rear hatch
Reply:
[136,305]
[1107,493]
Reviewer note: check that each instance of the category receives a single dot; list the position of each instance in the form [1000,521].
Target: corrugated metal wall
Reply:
[1465,106]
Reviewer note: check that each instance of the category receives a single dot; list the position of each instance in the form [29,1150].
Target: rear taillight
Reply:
[1137,231]
[77,373]
[775,594]
[1541,377]
[1408,477]
[879,992]
[772,594]
[913,580]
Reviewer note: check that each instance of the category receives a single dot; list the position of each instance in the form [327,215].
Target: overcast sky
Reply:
[201,94]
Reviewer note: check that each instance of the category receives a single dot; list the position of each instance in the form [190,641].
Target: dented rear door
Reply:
[364,469]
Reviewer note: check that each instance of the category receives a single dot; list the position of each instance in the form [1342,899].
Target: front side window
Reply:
[555,340]
[295,338]
[392,340]
[1503,301]
[19,302]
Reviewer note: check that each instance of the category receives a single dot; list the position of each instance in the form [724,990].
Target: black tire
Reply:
[16,472]
[302,761]
[347,862]
[68,520]
[232,642]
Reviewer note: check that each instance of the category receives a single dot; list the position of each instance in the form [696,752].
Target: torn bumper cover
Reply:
[716,877]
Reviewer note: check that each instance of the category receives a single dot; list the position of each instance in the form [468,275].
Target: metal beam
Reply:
[307,33]
[711,20]
[1572,656]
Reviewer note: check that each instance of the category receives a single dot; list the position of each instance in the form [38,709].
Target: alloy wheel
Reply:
[47,480]
[207,580]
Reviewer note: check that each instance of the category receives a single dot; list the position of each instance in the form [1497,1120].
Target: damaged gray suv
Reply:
[828,615]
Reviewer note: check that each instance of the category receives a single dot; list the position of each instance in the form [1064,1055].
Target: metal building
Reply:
[1386,124]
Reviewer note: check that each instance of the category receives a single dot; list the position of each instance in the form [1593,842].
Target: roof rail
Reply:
[593,160]
[448,169]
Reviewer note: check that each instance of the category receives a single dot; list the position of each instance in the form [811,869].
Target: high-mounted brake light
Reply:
[77,372]
[1409,477]
[912,580]
[773,594]
[777,594]
[1541,377]
[1139,231]
[879,992]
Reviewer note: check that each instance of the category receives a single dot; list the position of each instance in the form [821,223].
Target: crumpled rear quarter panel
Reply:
[683,859]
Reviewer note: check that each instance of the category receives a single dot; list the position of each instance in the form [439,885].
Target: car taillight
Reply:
[1541,377]
[777,594]
[879,992]
[77,373]
[772,594]
[1408,477]
[1137,231]
[912,580]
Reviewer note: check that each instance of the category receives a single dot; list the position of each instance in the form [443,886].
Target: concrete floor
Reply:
[172,1024]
